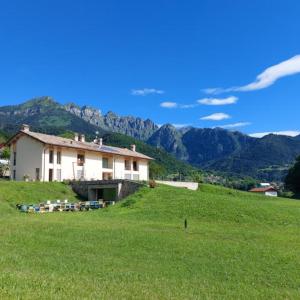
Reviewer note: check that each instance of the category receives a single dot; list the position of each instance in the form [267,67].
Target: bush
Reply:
[292,180]
[152,184]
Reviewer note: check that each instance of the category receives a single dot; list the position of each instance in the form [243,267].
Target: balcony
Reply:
[80,162]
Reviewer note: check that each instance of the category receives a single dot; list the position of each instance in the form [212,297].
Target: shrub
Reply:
[152,184]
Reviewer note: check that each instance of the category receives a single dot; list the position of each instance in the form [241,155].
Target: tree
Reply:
[197,177]
[156,170]
[5,154]
[292,180]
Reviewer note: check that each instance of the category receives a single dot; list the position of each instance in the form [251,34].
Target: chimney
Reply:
[25,128]
[133,148]
[82,138]
[100,142]
[76,137]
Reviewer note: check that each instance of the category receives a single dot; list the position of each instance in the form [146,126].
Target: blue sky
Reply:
[156,59]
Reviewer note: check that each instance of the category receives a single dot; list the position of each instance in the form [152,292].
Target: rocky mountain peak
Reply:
[169,138]
[87,113]
[129,125]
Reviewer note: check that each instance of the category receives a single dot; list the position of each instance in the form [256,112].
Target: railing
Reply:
[80,163]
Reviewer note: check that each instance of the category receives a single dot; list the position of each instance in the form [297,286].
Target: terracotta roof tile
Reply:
[64,142]
[263,189]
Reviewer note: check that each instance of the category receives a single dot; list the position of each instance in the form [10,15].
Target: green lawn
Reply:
[237,246]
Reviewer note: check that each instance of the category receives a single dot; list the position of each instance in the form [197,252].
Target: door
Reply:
[37,174]
[50,174]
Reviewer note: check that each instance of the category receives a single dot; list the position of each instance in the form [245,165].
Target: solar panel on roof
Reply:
[105,148]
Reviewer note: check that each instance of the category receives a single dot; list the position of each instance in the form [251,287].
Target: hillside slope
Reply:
[237,246]
[217,149]
[44,115]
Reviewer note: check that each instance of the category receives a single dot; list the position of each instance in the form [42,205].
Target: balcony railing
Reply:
[80,162]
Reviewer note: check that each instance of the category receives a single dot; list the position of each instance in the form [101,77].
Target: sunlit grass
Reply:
[237,246]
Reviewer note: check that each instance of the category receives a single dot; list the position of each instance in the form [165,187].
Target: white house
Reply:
[265,190]
[42,157]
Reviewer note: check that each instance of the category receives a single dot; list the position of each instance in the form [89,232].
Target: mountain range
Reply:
[216,149]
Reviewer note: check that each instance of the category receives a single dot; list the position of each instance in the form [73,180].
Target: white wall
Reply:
[119,167]
[29,157]
[69,169]
[93,165]
[143,170]
[180,184]
[272,194]
[92,169]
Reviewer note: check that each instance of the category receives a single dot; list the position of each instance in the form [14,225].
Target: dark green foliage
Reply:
[156,170]
[292,180]
[5,153]
[3,137]
[68,134]
[44,115]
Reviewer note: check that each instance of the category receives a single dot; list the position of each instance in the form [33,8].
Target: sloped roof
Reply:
[69,143]
[263,189]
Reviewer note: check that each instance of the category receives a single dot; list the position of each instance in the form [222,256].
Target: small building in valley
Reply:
[265,190]
[41,157]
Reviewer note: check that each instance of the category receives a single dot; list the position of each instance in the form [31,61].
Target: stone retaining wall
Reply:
[124,188]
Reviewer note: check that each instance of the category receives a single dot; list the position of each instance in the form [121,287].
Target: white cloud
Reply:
[236,125]
[265,79]
[287,132]
[145,92]
[216,117]
[188,105]
[218,101]
[169,104]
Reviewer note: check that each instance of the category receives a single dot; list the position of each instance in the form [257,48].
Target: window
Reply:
[15,158]
[128,176]
[136,177]
[80,159]
[14,175]
[51,157]
[58,174]
[107,176]
[37,174]
[58,158]
[105,162]
[135,166]
[127,165]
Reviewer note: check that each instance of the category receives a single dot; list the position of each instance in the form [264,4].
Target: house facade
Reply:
[265,190]
[41,157]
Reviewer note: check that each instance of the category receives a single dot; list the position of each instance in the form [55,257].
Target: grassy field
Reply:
[237,246]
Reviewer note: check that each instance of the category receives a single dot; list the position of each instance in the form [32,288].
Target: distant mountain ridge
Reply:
[267,158]
[129,125]
[232,152]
